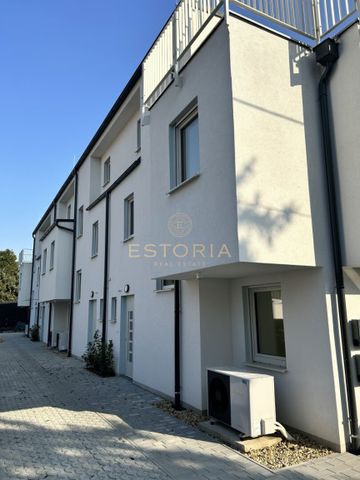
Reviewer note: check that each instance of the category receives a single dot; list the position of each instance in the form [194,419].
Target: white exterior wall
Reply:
[23,299]
[92,268]
[345,108]
[55,283]
[209,200]
[273,86]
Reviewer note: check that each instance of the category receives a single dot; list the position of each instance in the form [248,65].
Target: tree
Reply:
[9,277]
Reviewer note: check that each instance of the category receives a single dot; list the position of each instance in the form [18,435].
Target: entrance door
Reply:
[91,320]
[129,337]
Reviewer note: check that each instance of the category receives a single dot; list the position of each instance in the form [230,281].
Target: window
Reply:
[52,255]
[129,217]
[101,310]
[95,239]
[44,259]
[185,161]
[68,214]
[107,171]
[267,325]
[38,276]
[138,136]
[164,285]
[113,309]
[78,286]
[80,221]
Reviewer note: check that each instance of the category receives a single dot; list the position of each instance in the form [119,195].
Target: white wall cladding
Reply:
[274,148]
[345,106]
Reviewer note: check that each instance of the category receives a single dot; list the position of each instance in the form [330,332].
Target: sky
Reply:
[63,63]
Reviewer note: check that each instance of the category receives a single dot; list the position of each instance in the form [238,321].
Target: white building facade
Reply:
[195,232]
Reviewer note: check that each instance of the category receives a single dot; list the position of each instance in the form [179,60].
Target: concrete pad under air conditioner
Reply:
[231,437]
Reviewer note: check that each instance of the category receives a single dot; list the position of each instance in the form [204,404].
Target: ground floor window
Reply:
[267,325]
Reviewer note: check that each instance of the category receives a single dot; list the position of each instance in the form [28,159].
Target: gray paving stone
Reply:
[58,421]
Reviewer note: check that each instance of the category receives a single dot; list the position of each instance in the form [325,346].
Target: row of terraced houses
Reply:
[213,218]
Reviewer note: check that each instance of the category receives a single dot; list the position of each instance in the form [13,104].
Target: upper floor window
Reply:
[43,263]
[185,159]
[80,221]
[68,212]
[52,255]
[129,217]
[267,325]
[78,286]
[138,135]
[95,239]
[107,171]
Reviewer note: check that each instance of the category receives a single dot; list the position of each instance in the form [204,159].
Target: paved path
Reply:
[58,421]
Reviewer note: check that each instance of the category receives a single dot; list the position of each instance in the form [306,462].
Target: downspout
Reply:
[106,267]
[49,325]
[327,57]
[73,266]
[31,284]
[177,376]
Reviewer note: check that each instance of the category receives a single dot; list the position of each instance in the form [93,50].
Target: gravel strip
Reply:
[284,454]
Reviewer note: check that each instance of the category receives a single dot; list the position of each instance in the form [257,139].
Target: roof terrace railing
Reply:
[188,21]
[25,256]
[193,20]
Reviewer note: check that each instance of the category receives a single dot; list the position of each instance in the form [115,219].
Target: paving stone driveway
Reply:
[58,421]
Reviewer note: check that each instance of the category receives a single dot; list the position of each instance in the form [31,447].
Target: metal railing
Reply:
[25,256]
[311,20]
[179,34]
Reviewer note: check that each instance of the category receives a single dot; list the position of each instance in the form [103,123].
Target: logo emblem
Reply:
[180,225]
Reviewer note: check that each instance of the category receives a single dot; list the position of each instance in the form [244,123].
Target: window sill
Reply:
[170,289]
[263,366]
[138,150]
[77,302]
[79,235]
[105,183]
[94,256]
[182,184]
[51,268]
[128,238]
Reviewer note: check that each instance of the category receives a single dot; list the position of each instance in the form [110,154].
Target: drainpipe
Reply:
[31,284]
[177,397]
[327,54]
[49,325]
[106,261]
[73,266]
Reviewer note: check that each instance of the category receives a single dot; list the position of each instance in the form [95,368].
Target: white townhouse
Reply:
[212,219]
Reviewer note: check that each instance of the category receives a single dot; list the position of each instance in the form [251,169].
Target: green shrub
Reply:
[99,356]
[34,333]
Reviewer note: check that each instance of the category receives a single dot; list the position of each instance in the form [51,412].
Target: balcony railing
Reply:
[193,20]
[25,256]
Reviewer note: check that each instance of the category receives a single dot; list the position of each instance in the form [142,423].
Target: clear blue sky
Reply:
[62,65]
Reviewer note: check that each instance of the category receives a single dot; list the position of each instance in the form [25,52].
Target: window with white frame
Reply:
[95,239]
[113,309]
[80,221]
[267,325]
[107,171]
[185,158]
[43,262]
[52,255]
[138,135]
[101,310]
[129,217]
[162,285]
[78,286]
[68,213]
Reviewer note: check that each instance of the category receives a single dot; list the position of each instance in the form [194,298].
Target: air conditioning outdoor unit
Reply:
[243,400]
[63,341]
